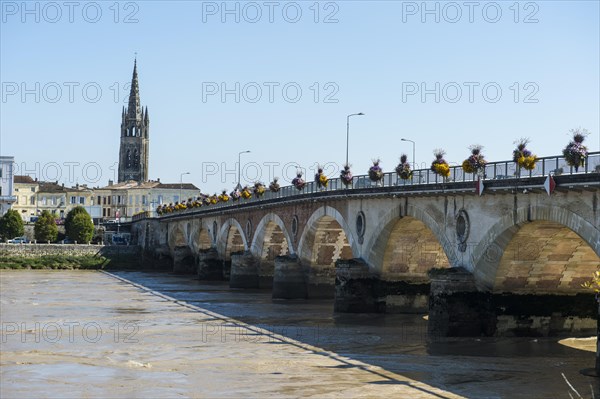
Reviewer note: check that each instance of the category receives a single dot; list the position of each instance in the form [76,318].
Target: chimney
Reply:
[158,179]
[110,182]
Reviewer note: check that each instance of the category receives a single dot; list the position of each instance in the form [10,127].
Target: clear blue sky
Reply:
[372,57]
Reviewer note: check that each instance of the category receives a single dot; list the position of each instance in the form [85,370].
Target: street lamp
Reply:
[413,158]
[240,167]
[348,132]
[181,183]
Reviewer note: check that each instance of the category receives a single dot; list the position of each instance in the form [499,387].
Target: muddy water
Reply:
[90,334]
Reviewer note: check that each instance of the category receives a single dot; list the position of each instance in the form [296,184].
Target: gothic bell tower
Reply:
[135,126]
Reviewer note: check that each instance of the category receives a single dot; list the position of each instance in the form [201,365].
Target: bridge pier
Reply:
[289,279]
[210,267]
[183,260]
[356,288]
[244,271]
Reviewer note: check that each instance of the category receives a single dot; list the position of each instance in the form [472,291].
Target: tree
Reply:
[82,228]
[11,225]
[78,210]
[45,228]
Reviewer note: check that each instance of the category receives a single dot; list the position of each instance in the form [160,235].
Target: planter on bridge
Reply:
[210,267]
[244,271]
[288,279]
[356,288]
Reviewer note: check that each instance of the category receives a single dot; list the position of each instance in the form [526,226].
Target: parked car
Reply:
[19,240]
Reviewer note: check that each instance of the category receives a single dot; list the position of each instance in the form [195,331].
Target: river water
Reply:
[82,334]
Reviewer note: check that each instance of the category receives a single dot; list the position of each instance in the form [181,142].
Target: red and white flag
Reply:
[549,184]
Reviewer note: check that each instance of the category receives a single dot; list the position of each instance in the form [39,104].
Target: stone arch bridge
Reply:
[508,261]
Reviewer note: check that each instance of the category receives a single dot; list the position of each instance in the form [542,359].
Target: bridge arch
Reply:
[271,232]
[201,239]
[177,236]
[318,219]
[231,238]
[380,248]
[540,239]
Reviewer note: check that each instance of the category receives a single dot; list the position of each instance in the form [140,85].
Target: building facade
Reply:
[135,126]
[7,198]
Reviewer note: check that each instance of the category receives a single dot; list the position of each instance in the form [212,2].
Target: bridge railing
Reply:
[502,170]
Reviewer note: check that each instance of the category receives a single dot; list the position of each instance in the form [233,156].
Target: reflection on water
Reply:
[88,334]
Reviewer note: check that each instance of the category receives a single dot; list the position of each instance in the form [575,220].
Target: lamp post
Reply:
[239,185]
[413,158]
[181,184]
[348,132]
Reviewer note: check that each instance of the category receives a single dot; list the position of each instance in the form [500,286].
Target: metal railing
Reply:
[502,170]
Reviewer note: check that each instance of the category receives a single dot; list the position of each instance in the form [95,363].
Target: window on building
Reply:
[99,202]
[109,200]
[23,200]
[82,200]
[53,200]
[160,200]
[33,189]
[16,190]
[118,199]
[144,200]
[131,200]
[103,212]
[137,199]
[43,200]
[54,211]
[73,200]
[31,200]
[108,212]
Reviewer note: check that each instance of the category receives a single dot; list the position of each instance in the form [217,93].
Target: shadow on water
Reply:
[485,367]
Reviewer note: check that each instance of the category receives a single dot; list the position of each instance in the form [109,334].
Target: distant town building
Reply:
[7,198]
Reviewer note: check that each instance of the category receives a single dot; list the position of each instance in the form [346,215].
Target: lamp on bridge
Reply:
[181,184]
[413,158]
[240,167]
[348,132]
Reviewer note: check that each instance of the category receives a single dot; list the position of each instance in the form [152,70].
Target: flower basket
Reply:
[246,194]
[159,210]
[439,166]
[213,199]
[235,195]
[476,162]
[346,176]
[223,197]
[375,171]
[206,199]
[321,179]
[298,181]
[575,152]
[274,186]
[403,169]
[259,189]
[522,156]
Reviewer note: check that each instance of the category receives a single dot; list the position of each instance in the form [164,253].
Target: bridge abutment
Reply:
[321,283]
[289,279]
[356,288]
[183,260]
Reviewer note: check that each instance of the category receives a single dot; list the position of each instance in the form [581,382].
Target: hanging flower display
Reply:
[575,152]
[522,156]
[346,176]
[246,194]
[159,209]
[179,207]
[168,208]
[476,162]
[235,195]
[213,199]
[320,178]
[375,171]
[439,166]
[403,168]
[205,199]
[298,181]
[259,189]
[274,186]
[223,197]
[197,203]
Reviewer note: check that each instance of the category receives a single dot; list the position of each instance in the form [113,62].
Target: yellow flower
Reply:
[323,180]
[467,167]
[442,169]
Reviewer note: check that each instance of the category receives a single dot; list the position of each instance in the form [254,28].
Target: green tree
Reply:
[11,225]
[45,228]
[78,210]
[82,228]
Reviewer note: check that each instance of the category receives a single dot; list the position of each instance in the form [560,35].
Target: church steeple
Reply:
[133,153]
[134,110]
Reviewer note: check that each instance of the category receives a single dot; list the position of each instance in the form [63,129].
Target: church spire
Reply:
[134,110]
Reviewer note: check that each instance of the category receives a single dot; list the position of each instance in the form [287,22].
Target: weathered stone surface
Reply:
[244,271]
[209,266]
[289,280]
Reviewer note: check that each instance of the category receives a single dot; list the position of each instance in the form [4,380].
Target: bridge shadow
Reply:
[397,343]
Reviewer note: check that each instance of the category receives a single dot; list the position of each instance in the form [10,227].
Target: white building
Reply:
[7,197]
